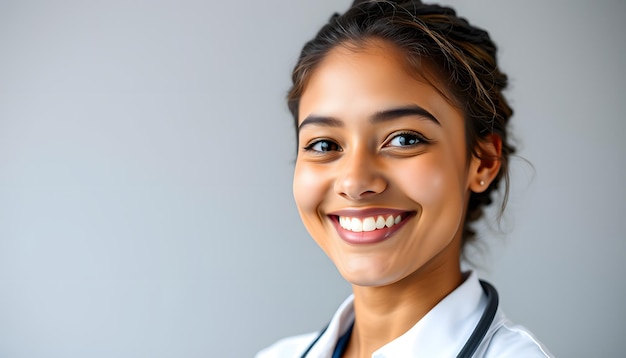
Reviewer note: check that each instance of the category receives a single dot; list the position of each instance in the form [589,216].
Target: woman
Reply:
[402,139]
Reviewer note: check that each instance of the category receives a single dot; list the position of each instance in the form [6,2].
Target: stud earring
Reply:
[482,183]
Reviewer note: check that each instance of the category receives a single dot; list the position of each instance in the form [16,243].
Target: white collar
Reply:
[442,332]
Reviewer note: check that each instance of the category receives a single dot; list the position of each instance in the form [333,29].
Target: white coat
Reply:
[442,332]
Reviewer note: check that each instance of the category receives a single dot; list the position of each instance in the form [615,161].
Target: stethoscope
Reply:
[477,335]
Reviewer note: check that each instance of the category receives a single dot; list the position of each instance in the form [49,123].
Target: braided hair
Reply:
[464,58]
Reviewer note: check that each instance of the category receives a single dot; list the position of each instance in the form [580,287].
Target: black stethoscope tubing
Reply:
[473,342]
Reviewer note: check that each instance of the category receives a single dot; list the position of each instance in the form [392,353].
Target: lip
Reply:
[368,237]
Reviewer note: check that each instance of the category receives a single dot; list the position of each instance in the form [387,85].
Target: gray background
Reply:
[145,177]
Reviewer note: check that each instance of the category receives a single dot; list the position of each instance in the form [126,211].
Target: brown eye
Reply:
[323,146]
[406,139]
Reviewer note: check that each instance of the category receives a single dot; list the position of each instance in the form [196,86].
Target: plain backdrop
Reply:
[146,157]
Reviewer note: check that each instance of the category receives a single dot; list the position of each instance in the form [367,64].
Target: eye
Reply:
[405,139]
[323,146]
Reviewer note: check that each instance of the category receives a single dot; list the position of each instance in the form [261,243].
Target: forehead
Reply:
[366,78]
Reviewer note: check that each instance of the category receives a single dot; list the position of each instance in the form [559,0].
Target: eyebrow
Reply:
[320,121]
[382,116]
[395,113]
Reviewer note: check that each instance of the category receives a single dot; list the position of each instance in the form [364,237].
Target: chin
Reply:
[369,273]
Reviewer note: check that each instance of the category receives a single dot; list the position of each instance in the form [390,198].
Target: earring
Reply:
[482,183]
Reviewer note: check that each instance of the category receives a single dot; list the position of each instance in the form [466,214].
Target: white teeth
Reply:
[389,221]
[380,222]
[368,224]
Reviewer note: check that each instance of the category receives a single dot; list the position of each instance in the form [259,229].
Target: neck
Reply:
[385,313]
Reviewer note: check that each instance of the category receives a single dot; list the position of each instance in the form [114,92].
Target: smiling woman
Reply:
[402,136]
[410,167]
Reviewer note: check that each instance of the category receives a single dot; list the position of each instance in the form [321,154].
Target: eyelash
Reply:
[421,140]
[309,147]
[417,136]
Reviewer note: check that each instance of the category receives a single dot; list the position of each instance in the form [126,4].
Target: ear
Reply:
[485,167]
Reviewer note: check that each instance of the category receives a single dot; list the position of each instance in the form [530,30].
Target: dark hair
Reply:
[463,57]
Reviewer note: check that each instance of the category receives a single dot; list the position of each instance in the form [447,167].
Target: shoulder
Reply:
[288,347]
[513,340]
[293,347]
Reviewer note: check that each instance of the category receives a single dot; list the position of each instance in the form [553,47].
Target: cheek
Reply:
[428,187]
[426,182]
[308,189]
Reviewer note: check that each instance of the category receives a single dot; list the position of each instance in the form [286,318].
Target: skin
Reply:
[375,138]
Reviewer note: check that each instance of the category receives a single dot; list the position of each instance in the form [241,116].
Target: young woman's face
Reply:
[382,177]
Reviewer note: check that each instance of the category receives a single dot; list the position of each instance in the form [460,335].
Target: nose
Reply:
[359,176]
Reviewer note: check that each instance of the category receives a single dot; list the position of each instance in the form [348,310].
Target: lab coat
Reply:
[442,332]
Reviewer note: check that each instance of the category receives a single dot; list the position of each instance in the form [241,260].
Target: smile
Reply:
[368,226]
[370,223]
